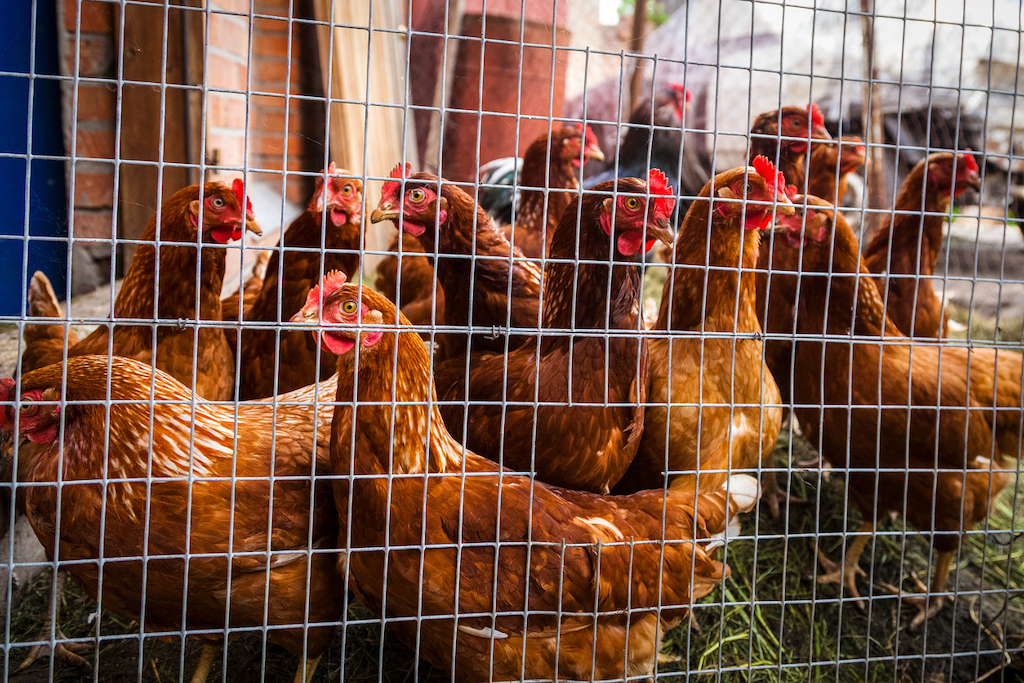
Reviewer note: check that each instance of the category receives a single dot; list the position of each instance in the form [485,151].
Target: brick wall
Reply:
[231,115]
[93,127]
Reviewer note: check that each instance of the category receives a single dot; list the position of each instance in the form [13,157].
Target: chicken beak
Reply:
[594,153]
[252,226]
[305,315]
[384,212]
[819,132]
[973,182]
[661,230]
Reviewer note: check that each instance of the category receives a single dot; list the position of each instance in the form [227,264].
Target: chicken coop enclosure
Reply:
[500,340]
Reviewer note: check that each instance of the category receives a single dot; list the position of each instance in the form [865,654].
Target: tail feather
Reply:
[44,343]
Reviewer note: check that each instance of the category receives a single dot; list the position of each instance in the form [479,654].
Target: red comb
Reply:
[332,282]
[590,138]
[766,170]
[657,183]
[969,161]
[791,192]
[816,115]
[239,189]
[392,187]
[331,168]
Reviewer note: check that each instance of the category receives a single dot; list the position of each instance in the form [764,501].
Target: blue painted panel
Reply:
[46,209]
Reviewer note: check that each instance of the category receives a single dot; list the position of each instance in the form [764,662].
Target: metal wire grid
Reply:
[760,539]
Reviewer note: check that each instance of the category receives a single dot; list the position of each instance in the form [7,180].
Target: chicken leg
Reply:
[847,572]
[928,604]
[206,659]
[66,651]
[310,669]
[773,494]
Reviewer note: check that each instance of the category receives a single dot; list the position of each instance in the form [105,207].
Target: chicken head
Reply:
[580,142]
[220,209]
[953,174]
[419,206]
[343,197]
[794,125]
[347,311]
[755,192]
[639,222]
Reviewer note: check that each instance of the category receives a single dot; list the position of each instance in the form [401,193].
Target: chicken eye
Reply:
[347,190]
[632,203]
[417,195]
[217,203]
[25,408]
[349,307]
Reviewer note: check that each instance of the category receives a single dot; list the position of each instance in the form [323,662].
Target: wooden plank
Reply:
[141,191]
[355,127]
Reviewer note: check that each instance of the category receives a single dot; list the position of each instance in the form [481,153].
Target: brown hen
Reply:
[903,253]
[487,282]
[932,463]
[271,361]
[590,571]
[170,344]
[548,181]
[713,406]
[589,389]
[782,136]
[830,164]
[183,474]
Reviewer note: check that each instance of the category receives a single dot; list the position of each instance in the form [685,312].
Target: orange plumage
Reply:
[170,491]
[586,551]
[170,348]
[903,252]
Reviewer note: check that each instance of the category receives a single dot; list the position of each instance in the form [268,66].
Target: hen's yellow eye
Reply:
[25,408]
[217,203]
[632,202]
[347,190]
[417,195]
[349,307]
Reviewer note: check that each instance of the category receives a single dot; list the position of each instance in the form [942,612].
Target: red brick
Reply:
[95,144]
[96,103]
[224,73]
[229,33]
[96,57]
[95,190]
[274,121]
[97,17]
[267,27]
[226,111]
[272,46]
[272,71]
[94,224]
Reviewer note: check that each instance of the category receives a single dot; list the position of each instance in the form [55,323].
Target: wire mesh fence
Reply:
[609,341]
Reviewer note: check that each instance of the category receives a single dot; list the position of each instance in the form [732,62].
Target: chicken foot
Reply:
[65,651]
[928,605]
[848,570]
[773,494]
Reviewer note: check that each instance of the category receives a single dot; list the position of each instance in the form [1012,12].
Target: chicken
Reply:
[548,164]
[713,407]
[548,182]
[776,293]
[421,296]
[590,390]
[201,468]
[830,164]
[654,139]
[932,463]
[270,364]
[903,252]
[171,345]
[476,265]
[44,344]
[248,292]
[591,571]
[783,136]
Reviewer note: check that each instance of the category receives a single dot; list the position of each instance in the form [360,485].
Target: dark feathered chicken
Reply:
[654,139]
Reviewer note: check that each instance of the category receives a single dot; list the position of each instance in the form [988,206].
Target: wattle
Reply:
[414,229]
[226,233]
[338,217]
[336,345]
[629,243]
